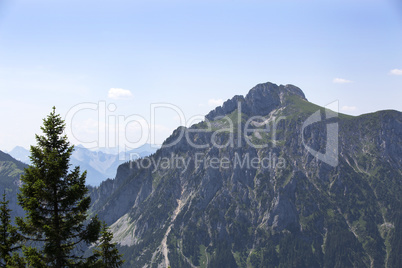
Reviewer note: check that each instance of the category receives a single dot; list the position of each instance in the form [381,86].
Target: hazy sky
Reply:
[116,58]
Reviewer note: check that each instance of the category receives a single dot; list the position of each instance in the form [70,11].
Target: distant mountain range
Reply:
[99,164]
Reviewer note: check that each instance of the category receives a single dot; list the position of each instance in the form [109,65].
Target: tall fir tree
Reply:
[10,239]
[56,202]
[106,253]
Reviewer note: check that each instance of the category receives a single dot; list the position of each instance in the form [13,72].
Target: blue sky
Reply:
[191,54]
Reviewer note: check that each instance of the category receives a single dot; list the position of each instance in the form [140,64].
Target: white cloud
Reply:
[215,102]
[119,93]
[341,81]
[349,108]
[396,72]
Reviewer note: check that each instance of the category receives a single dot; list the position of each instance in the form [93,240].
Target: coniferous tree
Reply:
[10,240]
[55,201]
[107,254]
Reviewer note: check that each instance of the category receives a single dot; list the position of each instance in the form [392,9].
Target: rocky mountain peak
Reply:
[219,199]
[260,100]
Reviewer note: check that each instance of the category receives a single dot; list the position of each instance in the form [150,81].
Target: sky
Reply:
[127,72]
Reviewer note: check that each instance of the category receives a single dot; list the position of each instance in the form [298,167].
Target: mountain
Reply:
[267,180]
[10,172]
[144,149]
[98,164]
[20,154]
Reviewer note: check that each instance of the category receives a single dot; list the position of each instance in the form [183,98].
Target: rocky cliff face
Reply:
[253,186]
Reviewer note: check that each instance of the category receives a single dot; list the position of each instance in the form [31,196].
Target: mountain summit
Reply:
[253,186]
[261,100]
